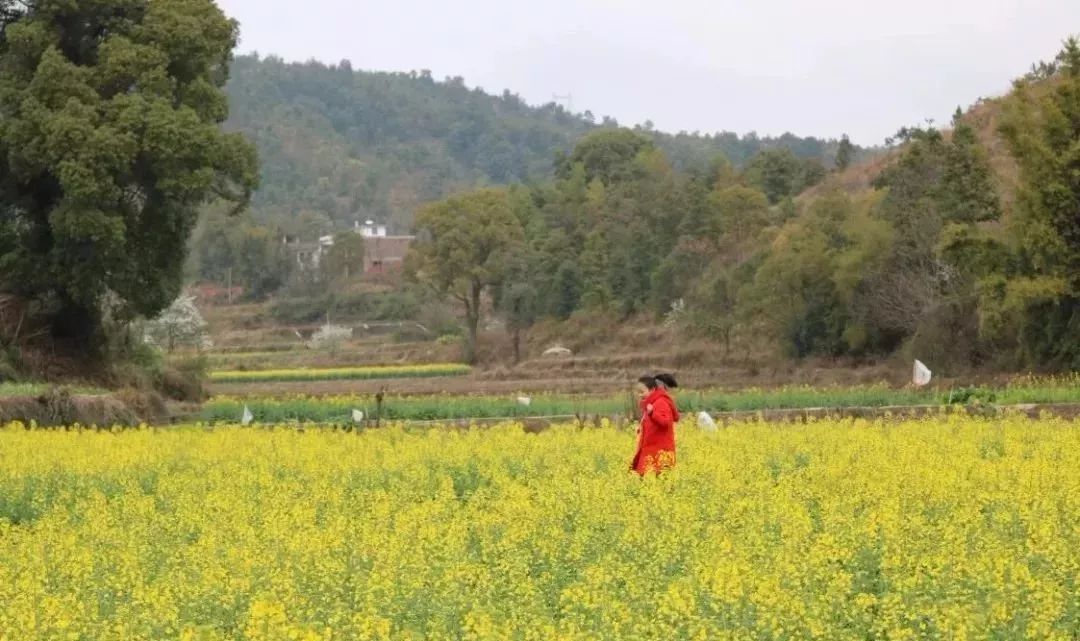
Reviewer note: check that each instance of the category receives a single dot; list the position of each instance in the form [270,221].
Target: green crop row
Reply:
[339,373]
[443,407]
[34,389]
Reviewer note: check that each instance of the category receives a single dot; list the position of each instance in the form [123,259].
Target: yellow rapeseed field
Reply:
[952,528]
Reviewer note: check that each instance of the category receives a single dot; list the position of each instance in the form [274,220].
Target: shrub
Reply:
[374,306]
[299,310]
[183,379]
[149,406]
[181,386]
[9,361]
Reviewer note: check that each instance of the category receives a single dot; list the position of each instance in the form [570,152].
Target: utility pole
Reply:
[228,287]
[569,98]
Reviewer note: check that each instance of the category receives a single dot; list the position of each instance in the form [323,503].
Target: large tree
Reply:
[607,155]
[466,245]
[109,146]
[1041,298]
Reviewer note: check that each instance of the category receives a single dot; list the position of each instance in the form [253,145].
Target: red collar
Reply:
[655,395]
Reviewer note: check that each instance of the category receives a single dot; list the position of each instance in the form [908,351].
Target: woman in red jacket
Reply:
[656,437]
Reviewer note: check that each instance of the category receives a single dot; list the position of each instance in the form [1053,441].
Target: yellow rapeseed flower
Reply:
[943,528]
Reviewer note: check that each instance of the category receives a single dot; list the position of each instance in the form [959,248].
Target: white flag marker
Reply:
[247,417]
[921,374]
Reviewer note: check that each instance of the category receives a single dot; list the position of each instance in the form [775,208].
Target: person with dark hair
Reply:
[656,436]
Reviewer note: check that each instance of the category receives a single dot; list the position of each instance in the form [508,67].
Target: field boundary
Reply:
[365,372]
[1032,410]
[790,415]
[802,415]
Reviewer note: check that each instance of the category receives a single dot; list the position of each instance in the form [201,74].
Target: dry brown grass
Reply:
[855,180]
[351,354]
[984,117]
[57,408]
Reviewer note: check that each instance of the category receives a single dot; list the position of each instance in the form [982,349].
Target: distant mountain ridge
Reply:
[337,144]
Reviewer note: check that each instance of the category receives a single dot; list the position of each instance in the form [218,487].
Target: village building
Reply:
[383,253]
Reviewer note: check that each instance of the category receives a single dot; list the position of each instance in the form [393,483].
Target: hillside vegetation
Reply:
[337,144]
[959,247]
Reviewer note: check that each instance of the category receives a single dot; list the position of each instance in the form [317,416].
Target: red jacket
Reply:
[656,438]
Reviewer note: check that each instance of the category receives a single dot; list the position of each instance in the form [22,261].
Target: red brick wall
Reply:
[384,253]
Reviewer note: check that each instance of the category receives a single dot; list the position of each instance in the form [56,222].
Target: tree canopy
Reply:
[466,246]
[929,259]
[353,144]
[109,145]
[1038,296]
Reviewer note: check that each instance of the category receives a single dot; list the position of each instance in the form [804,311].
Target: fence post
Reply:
[378,408]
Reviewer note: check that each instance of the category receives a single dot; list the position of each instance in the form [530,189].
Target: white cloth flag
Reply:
[357,416]
[921,375]
[706,422]
[247,417]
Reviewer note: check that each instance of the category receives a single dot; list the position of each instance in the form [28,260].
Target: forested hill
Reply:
[339,143]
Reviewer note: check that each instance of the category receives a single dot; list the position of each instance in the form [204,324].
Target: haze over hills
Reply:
[339,144]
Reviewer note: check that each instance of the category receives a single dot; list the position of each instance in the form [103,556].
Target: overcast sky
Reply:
[821,67]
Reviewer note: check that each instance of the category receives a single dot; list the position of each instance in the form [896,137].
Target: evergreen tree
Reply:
[109,145]
[1042,299]
[844,153]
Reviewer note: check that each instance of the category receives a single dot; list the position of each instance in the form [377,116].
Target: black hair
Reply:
[653,381]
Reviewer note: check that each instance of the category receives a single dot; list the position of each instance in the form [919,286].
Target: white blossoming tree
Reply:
[330,337]
[180,325]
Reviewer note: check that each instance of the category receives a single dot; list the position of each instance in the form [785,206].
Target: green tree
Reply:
[810,290]
[676,276]
[967,193]
[936,194]
[350,143]
[345,258]
[1041,300]
[714,304]
[780,173]
[519,307]
[109,145]
[237,251]
[260,262]
[794,298]
[844,153]
[307,225]
[596,267]
[213,253]
[466,245]
[607,155]
[739,214]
